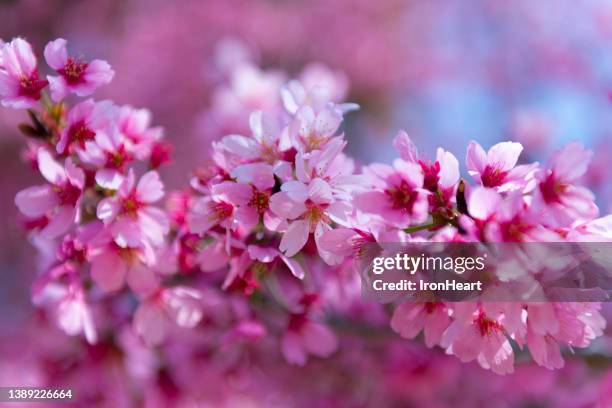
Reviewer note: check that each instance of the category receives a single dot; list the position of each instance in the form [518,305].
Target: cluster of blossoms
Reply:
[260,247]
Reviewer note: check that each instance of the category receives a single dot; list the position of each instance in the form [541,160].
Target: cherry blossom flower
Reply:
[85,121]
[311,208]
[129,214]
[20,86]
[303,337]
[397,196]
[58,201]
[164,309]
[557,199]
[412,317]
[75,76]
[497,168]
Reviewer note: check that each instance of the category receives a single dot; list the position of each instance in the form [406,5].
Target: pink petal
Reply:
[449,168]
[327,121]
[109,179]
[154,224]
[296,190]
[319,191]
[258,174]
[483,202]
[60,222]
[476,158]
[293,349]
[150,323]
[319,340]
[56,54]
[58,88]
[142,279]
[49,168]
[150,188]
[406,148]
[295,237]
[504,155]
[108,270]
[285,207]
[36,201]
[107,209]
[127,232]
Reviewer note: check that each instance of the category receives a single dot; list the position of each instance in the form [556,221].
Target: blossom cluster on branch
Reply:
[260,246]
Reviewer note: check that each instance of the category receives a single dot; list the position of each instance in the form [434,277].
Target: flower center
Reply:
[552,190]
[220,210]
[79,133]
[31,86]
[493,176]
[316,213]
[430,175]
[259,201]
[118,160]
[73,71]
[486,326]
[68,194]
[131,205]
[402,196]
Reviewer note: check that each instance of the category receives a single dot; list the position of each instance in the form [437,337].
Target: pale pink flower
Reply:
[70,308]
[311,208]
[439,177]
[108,155]
[75,76]
[20,86]
[139,136]
[58,201]
[85,121]
[332,166]
[497,168]
[165,309]
[397,196]
[477,336]
[129,214]
[266,143]
[216,209]
[318,89]
[411,317]
[557,200]
[112,266]
[304,337]
[310,129]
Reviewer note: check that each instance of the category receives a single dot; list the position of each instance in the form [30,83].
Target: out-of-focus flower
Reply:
[20,86]
[59,201]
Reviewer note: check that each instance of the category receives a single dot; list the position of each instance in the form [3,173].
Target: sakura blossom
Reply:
[75,76]
[255,257]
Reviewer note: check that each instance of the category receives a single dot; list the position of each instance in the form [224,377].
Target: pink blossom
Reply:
[304,337]
[439,177]
[138,134]
[497,168]
[397,196]
[557,199]
[112,266]
[311,208]
[166,309]
[129,214]
[75,76]
[476,336]
[109,156]
[266,143]
[20,86]
[412,317]
[85,121]
[59,201]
